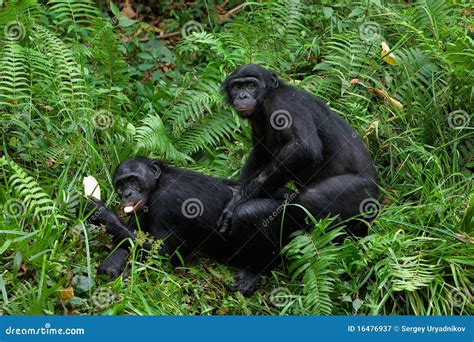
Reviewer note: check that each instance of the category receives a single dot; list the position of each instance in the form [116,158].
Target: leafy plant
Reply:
[79,92]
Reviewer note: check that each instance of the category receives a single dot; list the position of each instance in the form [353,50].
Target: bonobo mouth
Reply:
[244,111]
[131,207]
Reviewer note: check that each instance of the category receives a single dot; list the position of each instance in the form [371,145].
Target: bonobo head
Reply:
[246,88]
[134,180]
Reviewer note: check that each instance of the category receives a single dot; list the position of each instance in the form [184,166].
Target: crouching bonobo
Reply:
[181,208]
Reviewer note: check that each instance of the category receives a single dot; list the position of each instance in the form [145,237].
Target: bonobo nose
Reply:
[243,96]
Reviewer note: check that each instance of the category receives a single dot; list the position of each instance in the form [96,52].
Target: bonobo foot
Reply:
[114,265]
[245,281]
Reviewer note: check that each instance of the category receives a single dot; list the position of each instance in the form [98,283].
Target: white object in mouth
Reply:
[91,187]
[128,209]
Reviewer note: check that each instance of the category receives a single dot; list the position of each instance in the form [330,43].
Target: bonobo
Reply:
[181,208]
[297,138]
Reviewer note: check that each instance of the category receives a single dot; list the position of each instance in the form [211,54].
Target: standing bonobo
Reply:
[297,138]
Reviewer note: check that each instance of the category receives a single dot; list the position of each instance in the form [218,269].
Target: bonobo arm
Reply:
[253,165]
[274,174]
[279,153]
[115,263]
[282,168]
[98,213]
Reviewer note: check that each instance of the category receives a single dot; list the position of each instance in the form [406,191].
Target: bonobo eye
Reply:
[132,181]
[251,85]
[236,86]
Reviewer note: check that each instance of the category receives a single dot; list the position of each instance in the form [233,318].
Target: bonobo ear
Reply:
[155,168]
[274,83]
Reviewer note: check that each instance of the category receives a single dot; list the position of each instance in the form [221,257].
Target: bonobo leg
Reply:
[172,245]
[256,233]
[341,195]
[246,281]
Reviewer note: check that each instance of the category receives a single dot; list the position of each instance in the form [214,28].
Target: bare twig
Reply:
[168,35]
[233,11]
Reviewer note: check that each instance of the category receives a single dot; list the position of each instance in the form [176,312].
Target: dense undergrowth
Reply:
[82,86]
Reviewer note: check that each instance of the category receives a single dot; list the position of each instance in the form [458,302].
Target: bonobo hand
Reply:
[97,212]
[114,265]
[249,190]
[224,222]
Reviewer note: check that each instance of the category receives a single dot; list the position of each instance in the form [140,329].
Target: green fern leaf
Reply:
[314,259]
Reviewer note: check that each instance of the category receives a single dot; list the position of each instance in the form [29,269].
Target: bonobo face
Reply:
[134,180]
[244,94]
[247,87]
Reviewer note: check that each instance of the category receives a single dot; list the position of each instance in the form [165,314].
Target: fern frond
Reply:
[21,14]
[42,73]
[314,259]
[108,53]
[14,76]
[153,135]
[403,263]
[190,107]
[431,14]
[74,15]
[69,81]
[419,80]
[193,43]
[201,95]
[207,133]
[187,126]
[34,199]
[412,273]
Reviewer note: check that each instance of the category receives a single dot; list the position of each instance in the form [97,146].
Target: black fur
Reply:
[318,151]
[163,192]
